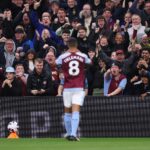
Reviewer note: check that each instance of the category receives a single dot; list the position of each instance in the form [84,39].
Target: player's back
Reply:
[73,64]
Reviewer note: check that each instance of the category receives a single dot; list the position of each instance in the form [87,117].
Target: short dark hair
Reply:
[72,42]
[67,31]
[82,28]
[19,64]
[145,49]
[38,60]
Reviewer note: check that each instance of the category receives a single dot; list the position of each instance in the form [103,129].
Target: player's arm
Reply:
[59,64]
[60,87]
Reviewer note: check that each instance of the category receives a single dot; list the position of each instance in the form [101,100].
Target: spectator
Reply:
[140,82]
[145,54]
[7,24]
[98,82]
[11,86]
[50,59]
[144,13]
[99,29]
[45,23]
[97,6]
[39,83]
[127,23]
[137,30]
[86,17]
[60,20]
[83,42]
[42,43]
[7,55]
[114,81]
[22,77]
[29,61]
[1,78]
[120,41]
[23,19]
[65,37]
[103,42]
[72,10]
[54,7]
[90,71]
[108,17]
[21,39]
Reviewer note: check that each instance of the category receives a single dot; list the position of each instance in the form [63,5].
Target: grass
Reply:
[84,144]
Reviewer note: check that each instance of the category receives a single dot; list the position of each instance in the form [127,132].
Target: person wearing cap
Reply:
[114,81]
[125,63]
[21,39]
[11,86]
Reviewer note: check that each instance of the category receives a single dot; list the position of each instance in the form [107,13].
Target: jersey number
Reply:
[74,68]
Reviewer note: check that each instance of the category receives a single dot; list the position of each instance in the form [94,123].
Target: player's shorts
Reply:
[70,98]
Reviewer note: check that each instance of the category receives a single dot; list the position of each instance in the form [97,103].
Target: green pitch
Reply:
[84,144]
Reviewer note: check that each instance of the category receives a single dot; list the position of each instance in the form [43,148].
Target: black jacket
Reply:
[38,82]
[15,90]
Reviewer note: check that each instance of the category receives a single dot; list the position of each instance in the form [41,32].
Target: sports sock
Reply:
[67,121]
[74,123]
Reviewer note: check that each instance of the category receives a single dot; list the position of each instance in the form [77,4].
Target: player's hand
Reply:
[34,92]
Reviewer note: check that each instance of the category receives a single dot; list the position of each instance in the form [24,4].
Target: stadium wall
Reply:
[42,117]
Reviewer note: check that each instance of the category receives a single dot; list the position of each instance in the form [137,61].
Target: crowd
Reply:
[115,34]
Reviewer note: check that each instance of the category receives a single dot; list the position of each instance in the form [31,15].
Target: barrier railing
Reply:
[100,116]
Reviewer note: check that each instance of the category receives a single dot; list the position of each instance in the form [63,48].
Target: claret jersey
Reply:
[73,65]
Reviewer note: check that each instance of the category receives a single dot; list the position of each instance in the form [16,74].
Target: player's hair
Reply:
[38,60]
[72,42]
